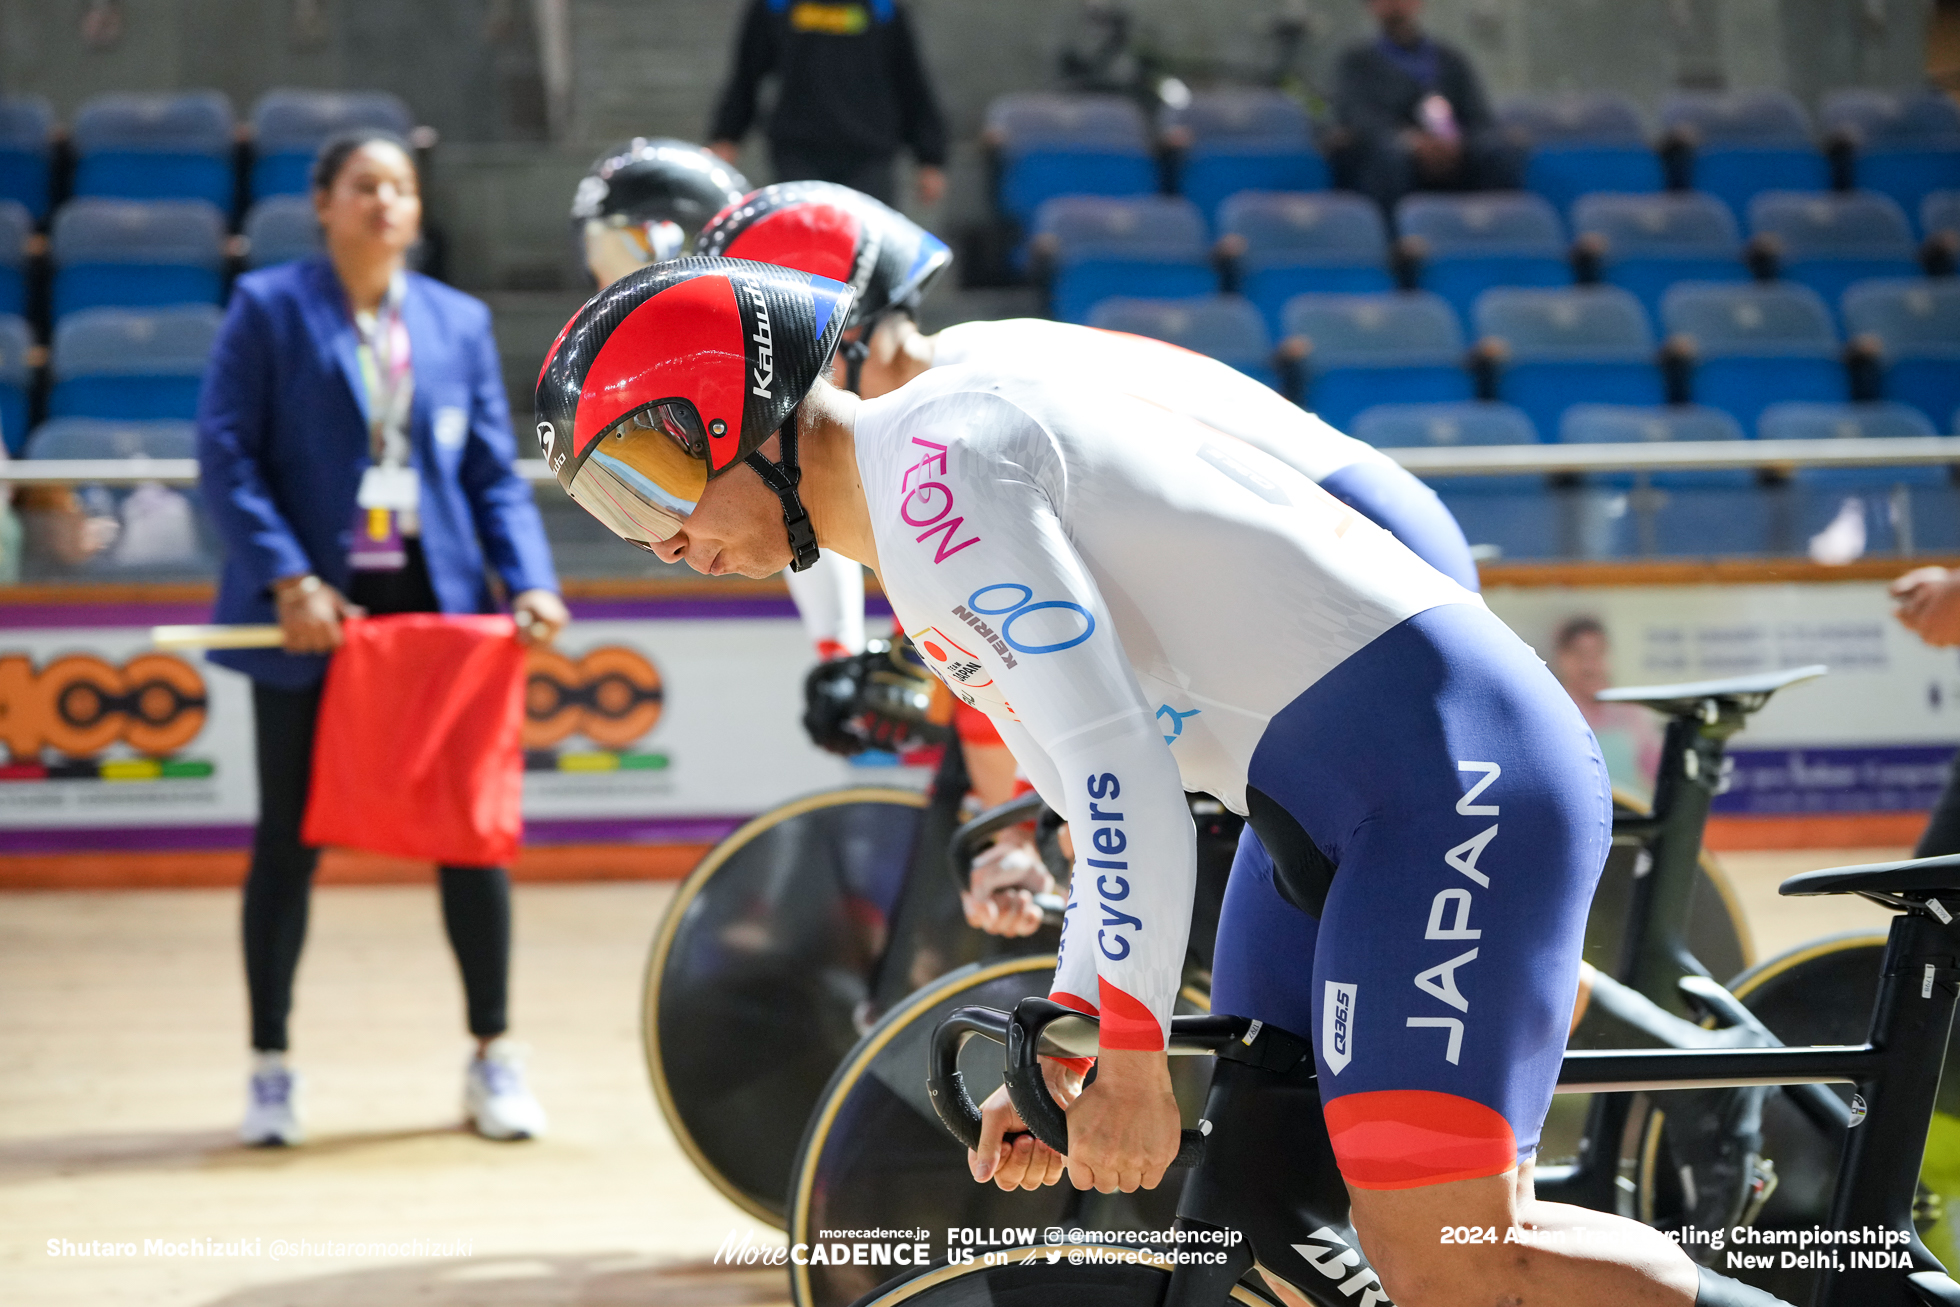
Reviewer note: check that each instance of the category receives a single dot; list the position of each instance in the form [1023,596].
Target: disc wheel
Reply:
[876,1155]
[770,946]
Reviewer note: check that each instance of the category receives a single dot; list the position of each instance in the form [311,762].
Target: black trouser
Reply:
[871,174]
[475,900]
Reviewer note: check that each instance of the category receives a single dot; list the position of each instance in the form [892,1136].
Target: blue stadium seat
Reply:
[289,126]
[1243,139]
[1363,350]
[1574,345]
[1331,242]
[1152,247]
[16,226]
[1829,239]
[1068,145]
[1940,212]
[1691,512]
[1582,141]
[133,254]
[16,379]
[1917,323]
[128,365]
[1747,142]
[1470,243]
[1224,327]
[26,152]
[95,438]
[1908,145]
[1757,344]
[1652,241]
[1911,505]
[161,146]
[279,229]
[1513,515]
[160,530]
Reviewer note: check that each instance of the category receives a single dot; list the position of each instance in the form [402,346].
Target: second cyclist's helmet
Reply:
[836,232]
[676,373]
[654,194]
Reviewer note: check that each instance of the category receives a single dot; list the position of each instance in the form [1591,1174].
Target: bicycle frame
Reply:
[1270,1192]
[1656,955]
[1897,1075]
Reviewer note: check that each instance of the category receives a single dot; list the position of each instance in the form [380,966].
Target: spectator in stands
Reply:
[1411,115]
[1929,604]
[851,89]
[1629,741]
[356,457]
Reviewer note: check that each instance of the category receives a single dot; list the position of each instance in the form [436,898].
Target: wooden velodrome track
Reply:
[122,1037]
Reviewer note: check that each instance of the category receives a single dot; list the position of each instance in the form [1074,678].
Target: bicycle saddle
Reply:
[1917,877]
[1742,693]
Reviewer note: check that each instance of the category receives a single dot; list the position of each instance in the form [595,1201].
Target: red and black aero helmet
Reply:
[836,232]
[676,373]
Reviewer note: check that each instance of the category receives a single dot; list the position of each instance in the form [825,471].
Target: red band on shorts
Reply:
[1408,1138]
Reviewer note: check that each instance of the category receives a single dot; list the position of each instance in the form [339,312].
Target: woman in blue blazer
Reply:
[356,457]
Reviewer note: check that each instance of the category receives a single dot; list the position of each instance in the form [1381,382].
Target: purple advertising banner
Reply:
[1793,781]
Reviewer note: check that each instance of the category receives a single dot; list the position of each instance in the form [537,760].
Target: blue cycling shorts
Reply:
[1462,804]
[1410,511]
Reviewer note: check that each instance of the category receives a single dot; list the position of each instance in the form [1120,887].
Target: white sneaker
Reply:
[495,1098]
[271,1120]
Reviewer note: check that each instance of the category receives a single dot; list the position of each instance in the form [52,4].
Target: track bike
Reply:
[871,1156]
[1261,1164]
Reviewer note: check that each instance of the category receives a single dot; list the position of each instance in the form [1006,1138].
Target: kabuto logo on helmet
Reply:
[676,373]
[765,355]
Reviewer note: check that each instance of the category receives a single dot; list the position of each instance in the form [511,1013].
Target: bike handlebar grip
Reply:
[944,1083]
[969,839]
[1046,1119]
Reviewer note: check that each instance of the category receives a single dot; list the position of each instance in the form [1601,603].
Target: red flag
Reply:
[418,751]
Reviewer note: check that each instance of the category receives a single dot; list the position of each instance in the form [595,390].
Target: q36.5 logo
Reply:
[612,696]
[80,704]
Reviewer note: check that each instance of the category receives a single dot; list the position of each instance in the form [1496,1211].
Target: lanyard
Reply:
[386,371]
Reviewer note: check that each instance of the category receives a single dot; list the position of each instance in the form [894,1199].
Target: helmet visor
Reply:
[642,478]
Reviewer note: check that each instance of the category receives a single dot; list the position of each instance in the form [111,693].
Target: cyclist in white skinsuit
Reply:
[891,263]
[1147,604]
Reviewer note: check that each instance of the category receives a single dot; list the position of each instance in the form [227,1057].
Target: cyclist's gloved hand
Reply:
[830,703]
[999,898]
[1025,1163]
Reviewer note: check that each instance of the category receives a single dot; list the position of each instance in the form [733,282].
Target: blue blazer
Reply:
[282,440]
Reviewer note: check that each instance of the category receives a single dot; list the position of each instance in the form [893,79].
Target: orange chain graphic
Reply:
[81,704]
[612,696]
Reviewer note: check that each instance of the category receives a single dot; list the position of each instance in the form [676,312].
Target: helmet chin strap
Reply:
[783,478]
[855,352]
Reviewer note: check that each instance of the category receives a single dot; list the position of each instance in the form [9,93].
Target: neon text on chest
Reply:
[929,504]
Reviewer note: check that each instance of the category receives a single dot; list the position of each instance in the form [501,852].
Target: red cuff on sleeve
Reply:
[1126,1023]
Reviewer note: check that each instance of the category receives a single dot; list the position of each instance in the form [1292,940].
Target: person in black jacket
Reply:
[1412,115]
[851,90]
